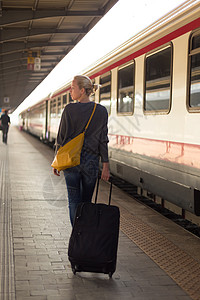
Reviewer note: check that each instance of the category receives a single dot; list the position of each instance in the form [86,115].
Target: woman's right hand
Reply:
[105,174]
[56,172]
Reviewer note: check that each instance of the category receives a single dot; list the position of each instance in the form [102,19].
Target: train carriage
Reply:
[151,89]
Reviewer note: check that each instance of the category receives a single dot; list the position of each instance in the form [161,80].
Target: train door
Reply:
[46,121]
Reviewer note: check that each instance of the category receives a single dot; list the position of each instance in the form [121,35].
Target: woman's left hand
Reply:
[56,172]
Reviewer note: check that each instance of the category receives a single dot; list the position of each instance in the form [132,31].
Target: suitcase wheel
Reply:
[110,274]
[75,268]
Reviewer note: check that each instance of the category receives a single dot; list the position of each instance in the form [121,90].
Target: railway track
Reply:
[131,190]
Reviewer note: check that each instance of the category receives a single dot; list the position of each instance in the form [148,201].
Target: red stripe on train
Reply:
[167,38]
[35,125]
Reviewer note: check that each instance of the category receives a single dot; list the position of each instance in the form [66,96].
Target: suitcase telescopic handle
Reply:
[97,188]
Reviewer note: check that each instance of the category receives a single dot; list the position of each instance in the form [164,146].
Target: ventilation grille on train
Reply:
[119,169]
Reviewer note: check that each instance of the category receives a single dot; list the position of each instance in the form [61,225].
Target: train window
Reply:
[92,96]
[59,106]
[53,108]
[125,89]
[41,110]
[194,79]
[70,98]
[105,91]
[64,100]
[157,96]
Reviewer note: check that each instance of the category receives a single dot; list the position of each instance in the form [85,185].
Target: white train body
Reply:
[154,135]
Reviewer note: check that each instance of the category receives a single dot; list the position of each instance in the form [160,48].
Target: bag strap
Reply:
[86,127]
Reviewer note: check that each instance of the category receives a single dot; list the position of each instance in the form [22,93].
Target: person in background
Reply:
[80,180]
[5,122]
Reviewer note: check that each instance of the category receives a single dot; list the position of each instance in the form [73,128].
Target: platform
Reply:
[156,258]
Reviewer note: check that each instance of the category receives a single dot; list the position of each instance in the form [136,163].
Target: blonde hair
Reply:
[86,83]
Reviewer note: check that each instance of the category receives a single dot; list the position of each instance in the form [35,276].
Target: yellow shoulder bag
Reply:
[69,155]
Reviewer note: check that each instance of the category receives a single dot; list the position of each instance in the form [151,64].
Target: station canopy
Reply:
[35,35]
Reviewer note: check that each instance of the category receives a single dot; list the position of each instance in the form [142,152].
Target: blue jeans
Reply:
[80,181]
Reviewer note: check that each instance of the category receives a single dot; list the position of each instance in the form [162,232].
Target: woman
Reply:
[80,180]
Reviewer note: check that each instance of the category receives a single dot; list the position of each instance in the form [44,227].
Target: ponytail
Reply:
[96,87]
[86,83]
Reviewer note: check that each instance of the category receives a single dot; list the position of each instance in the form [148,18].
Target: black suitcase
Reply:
[94,238]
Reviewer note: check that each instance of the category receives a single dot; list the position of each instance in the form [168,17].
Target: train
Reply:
[150,86]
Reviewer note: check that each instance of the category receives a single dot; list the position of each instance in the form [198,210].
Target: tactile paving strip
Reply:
[7,287]
[180,266]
